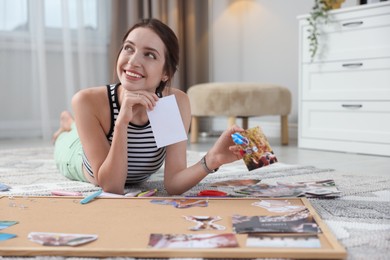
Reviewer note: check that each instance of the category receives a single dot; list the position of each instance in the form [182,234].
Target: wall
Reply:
[257,41]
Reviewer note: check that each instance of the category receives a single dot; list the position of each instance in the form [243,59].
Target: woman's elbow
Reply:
[172,190]
[111,188]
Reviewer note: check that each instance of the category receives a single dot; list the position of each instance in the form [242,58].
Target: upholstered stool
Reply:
[242,100]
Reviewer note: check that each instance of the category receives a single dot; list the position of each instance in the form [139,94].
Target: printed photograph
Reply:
[60,239]
[318,188]
[181,203]
[192,241]
[255,148]
[259,240]
[267,190]
[300,222]
[205,223]
[234,183]
[278,206]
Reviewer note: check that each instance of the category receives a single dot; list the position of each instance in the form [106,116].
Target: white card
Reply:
[166,122]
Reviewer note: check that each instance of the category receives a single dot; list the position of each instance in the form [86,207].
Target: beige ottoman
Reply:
[242,100]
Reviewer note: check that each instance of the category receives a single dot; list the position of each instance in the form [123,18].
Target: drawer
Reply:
[346,121]
[351,38]
[352,80]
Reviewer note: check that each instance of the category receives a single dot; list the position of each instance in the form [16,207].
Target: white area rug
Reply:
[360,218]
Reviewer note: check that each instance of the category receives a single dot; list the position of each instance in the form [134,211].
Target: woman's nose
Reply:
[134,59]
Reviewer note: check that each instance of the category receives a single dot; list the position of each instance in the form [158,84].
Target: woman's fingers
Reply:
[144,98]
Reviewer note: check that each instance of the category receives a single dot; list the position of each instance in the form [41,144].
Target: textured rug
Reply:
[360,218]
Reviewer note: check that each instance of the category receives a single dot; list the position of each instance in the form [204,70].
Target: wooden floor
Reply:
[358,164]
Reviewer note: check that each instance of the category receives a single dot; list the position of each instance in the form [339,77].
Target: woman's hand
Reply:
[224,150]
[135,102]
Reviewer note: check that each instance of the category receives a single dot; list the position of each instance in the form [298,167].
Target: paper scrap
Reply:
[167,124]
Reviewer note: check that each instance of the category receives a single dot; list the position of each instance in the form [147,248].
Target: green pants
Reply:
[68,155]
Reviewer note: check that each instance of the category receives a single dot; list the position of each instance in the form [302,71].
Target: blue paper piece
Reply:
[6,223]
[6,236]
[4,187]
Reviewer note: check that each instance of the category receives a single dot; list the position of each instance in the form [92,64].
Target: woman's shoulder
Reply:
[91,93]
[90,97]
[179,94]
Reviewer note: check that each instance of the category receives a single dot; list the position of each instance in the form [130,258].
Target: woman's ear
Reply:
[164,78]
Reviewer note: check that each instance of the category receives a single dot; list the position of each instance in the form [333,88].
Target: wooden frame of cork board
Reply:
[124,225]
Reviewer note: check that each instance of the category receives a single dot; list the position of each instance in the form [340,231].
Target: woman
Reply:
[113,144]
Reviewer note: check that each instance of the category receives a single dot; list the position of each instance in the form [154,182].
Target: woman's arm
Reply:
[93,120]
[179,178]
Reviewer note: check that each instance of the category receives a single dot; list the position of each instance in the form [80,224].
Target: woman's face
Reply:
[141,62]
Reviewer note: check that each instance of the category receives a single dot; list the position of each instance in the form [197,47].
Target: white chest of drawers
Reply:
[344,92]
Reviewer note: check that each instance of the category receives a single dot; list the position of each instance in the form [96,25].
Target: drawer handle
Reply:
[352,106]
[353,24]
[353,65]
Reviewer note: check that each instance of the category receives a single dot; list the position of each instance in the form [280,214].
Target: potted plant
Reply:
[319,15]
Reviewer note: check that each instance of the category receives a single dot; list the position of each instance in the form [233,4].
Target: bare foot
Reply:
[66,121]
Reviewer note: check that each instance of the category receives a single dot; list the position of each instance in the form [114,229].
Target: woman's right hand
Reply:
[135,102]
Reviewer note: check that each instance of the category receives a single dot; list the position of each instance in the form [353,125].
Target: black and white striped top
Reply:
[143,156]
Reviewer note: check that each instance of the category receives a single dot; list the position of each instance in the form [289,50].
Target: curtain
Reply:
[49,49]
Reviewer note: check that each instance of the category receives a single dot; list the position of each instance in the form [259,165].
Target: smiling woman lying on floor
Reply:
[113,144]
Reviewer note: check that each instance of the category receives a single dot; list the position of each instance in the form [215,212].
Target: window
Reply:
[88,12]
[91,16]
[13,15]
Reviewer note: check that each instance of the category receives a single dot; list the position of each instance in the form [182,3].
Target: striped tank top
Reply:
[143,156]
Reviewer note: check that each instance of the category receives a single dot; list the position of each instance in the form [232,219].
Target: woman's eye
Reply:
[127,48]
[150,55]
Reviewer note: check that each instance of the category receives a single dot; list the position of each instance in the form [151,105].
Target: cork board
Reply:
[123,226]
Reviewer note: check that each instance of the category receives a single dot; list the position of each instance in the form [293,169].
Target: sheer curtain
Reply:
[49,49]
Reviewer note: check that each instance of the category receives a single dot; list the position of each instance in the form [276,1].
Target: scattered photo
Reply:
[60,239]
[274,191]
[234,183]
[192,241]
[205,223]
[259,240]
[319,188]
[181,203]
[300,222]
[278,206]
[255,148]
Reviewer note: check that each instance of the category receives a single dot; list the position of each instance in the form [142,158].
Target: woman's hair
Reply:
[170,41]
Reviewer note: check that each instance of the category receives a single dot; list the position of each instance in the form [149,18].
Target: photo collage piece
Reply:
[205,223]
[60,239]
[299,222]
[278,206]
[6,236]
[320,188]
[192,240]
[267,190]
[181,203]
[304,241]
[235,183]
[5,224]
[255,148]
